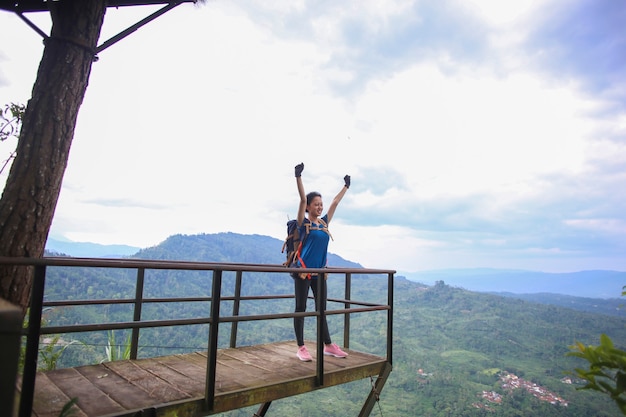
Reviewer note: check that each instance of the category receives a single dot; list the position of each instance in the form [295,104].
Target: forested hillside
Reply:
[456,352]
[609,306]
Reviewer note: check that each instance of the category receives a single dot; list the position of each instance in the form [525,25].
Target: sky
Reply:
[478,134]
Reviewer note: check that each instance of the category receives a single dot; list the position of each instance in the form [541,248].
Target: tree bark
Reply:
[32,189]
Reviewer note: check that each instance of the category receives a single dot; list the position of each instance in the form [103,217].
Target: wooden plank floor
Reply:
[245,376]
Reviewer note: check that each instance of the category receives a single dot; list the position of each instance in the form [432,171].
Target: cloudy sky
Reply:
[477,133]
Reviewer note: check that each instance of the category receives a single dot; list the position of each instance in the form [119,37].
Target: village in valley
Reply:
[510,382]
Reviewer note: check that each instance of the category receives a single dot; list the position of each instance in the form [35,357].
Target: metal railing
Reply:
[34,330]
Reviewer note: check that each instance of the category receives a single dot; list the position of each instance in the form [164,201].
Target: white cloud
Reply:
[472,133]
[386,246]
[502,14]
[193,125]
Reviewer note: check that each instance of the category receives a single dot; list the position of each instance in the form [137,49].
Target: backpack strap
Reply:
[289,236]
[291,257]
[323,228]
[302,275]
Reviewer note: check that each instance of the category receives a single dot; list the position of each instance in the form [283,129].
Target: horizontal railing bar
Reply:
[259,297]
[229,319]
[359,310]
[79,328]
[64,303]
[232,319]
[360,303]
[74,303]
[176,265]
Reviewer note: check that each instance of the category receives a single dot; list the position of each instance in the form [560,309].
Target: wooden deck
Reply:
[245,376]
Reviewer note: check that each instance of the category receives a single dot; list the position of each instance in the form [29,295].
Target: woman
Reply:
[312,254]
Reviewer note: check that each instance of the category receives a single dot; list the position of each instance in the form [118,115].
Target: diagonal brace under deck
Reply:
[373,397]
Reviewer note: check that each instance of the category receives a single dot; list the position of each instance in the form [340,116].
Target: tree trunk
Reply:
[32,189]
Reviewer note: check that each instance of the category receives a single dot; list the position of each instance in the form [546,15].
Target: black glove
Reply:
[299,169]
[346,179]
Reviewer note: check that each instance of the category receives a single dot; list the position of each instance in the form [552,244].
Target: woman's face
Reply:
[316,206]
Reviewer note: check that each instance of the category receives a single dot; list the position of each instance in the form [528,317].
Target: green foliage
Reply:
[607,369]
[68,409]
[51,351]
[11,116]
[116,352]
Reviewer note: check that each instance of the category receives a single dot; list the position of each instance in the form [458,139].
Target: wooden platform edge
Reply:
[234,400]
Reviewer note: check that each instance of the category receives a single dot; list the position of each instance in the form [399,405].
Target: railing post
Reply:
[32,342]
[390,318]
[10,335]
[236,303]
[346,317]
[134,343]
[209,394]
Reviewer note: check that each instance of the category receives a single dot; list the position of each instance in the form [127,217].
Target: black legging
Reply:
[302,293]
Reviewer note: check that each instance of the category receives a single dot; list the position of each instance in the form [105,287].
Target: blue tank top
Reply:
[315,248]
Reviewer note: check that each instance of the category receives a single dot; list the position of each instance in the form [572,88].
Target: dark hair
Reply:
[310,196]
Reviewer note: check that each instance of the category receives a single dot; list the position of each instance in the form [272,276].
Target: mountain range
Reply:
[593,284]
[88,249]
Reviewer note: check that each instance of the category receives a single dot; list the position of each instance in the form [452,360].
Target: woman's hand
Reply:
[299,168]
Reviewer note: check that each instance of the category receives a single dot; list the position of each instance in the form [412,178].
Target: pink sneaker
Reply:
[303,354]
[334,350]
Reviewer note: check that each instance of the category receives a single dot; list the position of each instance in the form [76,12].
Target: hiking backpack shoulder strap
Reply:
[323,228]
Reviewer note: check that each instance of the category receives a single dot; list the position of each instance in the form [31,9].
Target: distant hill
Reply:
[609,306]
[590,284]
[218,247]
[227,247]
[89,250]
